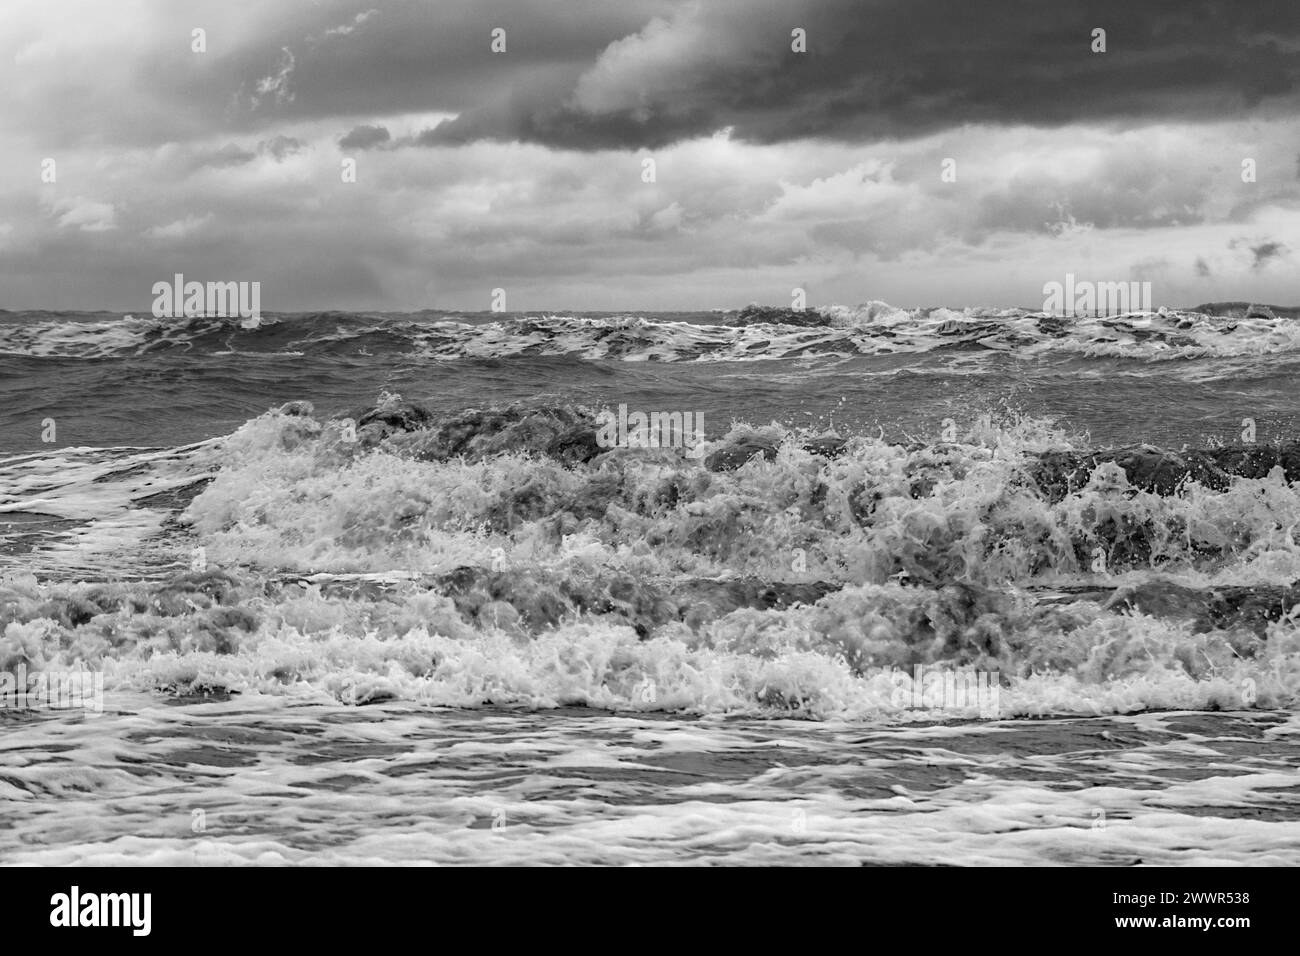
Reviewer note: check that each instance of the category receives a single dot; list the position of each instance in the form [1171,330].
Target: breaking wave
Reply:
[502,557]
[753,334]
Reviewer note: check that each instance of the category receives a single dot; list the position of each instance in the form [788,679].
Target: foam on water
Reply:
[85,510]
[476,638]
[355,571]
[872,329]
[268,781]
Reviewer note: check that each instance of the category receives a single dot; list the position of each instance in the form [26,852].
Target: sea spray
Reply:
[363,570]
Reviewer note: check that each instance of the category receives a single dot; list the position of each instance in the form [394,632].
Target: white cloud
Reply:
[180,228]
[725,223]
[85,214]
[276,85]
[347,28]
[667,219]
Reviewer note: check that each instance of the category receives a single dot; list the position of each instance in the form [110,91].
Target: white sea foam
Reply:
[267,781]
[332,568]
[875,328]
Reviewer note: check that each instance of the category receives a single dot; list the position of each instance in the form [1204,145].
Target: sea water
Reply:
[358,589]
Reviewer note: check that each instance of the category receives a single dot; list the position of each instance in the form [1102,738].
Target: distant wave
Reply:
[875,328]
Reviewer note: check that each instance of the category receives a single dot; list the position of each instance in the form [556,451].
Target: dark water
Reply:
[1166,381]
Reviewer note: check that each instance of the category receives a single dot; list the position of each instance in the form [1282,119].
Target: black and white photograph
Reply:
[646,433]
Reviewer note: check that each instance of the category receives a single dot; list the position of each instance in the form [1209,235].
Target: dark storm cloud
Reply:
[420,56]
[1266,251]
[365,137]
[280,147]
[588,74]
[227,156]
[1202,268]
[896,68]
[122,79]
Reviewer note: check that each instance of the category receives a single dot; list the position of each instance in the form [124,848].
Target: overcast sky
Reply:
[523,169]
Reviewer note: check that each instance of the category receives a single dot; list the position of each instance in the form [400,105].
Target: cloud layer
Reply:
[384,155]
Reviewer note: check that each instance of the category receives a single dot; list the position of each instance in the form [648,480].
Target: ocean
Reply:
[861,585]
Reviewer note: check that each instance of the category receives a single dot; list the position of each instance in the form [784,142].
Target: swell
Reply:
[753,334]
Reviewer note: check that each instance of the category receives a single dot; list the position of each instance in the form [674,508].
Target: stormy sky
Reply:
[1171,157]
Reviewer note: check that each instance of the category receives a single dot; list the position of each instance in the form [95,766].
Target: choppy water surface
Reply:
[265,781]
[418,614]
